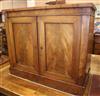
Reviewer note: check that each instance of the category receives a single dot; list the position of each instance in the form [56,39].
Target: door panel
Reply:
[59,47]
[24,43]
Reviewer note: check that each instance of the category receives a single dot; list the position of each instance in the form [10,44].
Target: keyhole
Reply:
[41,47]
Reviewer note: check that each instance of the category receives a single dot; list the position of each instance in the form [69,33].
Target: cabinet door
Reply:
[59,40]
[22,38]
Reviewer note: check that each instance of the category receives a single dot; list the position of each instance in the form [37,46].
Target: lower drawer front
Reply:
[97,52]
[97,39]
[97,46]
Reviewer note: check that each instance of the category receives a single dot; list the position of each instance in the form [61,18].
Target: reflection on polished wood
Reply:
[95,70]
[13,85]
[95,86]
[95,64]
[3,59]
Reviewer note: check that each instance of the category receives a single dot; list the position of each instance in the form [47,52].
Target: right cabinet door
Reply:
[59,42]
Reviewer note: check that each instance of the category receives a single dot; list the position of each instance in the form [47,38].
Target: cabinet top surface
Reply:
[57,6]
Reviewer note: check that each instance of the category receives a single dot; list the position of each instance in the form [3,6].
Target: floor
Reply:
[3,59]
[95,86]
[16,86]
[95,70]
[95,64]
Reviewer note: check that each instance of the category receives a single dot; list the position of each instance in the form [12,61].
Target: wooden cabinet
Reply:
[0,33]
[97,43]
[50,44]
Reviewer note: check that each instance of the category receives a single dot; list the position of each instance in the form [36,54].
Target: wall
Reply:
[42,2]
[6,4]
[30,3]
[19,3]
[83,1]
[9,4]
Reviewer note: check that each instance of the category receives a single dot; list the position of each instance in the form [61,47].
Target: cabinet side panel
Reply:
[84,47]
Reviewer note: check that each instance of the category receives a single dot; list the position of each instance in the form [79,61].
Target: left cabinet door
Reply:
[22,43]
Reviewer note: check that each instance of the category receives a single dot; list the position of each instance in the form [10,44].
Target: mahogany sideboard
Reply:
[52,45]
[96,43]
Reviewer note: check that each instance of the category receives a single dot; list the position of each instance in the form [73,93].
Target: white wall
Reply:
[83,1]
[9,4]
[6,4]
[19,3]
[42,2]
[30,3]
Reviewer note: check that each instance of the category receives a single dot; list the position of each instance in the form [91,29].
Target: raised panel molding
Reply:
[57,48]
[23,31]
